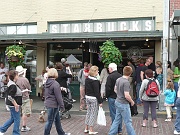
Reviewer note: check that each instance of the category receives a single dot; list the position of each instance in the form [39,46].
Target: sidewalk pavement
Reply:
[38,105]
[75,125]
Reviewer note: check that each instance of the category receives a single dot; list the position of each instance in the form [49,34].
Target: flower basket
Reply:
[109,53]
[15,55]
[14,58]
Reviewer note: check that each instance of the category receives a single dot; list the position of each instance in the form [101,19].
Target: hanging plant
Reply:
[15,55]
[110,53]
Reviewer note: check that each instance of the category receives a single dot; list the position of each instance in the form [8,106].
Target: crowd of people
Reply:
[122,90]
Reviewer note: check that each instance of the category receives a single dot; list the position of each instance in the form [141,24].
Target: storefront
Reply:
[133,36]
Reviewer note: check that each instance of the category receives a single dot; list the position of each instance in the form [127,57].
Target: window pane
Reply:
[11,29]
[32,29]
[21,29]
[2,30]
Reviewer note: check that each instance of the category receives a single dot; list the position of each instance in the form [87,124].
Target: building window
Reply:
[18,29]
[11,29]
[21,29]
[32,29]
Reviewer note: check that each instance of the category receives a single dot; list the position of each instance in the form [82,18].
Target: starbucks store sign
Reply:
[102,26]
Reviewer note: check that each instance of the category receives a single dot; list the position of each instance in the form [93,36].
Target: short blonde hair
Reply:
[93,70]
[159,69]
[52,73]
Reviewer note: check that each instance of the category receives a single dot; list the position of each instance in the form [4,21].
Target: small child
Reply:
[170,96]
[159,77]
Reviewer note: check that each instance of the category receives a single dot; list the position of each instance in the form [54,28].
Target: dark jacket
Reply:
[62,78]
[92,88]
[111,81]
[137,75]
[53,96]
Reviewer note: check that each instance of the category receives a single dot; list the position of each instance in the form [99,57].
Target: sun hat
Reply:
[20,70]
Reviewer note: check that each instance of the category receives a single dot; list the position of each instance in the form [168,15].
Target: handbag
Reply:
[134,110]
[101,118]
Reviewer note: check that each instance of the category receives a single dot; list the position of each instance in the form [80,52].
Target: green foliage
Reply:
[109,53]
[15,50]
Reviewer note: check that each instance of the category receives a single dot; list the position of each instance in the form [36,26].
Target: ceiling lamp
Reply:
[123,44]
[145,44]
[59,46]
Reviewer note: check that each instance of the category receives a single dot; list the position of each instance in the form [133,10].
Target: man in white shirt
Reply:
[3,70]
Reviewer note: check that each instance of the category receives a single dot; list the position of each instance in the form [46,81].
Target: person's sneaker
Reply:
[25,129]
[1,133]
[73,100]
[7,108]
[167,120]
[176,132]
[67,133]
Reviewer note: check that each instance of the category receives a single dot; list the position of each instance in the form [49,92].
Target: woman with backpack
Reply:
[149,98]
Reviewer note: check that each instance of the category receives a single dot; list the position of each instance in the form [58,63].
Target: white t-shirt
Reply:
[178,93]
[3,70]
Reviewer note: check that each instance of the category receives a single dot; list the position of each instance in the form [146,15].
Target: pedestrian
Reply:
[160,77]
[62,75]
[93,98]
[103,78]
[3,71]
[14,101]
[63,61]
[177,122]
[110,94]
[152,66]
[41,81]
[130,63]
[144,68]
[23,83]
[137,81]
[122,88]
[170,96]
[148,101]
[82,75]
[176,75]
[170,73]
[158,64]
[53,103]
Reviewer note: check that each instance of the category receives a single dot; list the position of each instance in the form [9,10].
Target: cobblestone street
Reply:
[75,125]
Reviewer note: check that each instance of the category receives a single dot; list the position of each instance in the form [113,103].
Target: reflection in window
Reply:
[21,29]
[11,29]
[32,29]
[2,30]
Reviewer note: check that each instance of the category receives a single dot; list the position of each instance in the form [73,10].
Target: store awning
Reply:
[176,17]
[85,35]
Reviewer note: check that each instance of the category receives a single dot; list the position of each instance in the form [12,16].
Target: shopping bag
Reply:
[101,118]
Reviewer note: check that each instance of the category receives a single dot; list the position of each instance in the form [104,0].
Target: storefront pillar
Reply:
[91,58]
[158,51]
[173,44]
[41,62]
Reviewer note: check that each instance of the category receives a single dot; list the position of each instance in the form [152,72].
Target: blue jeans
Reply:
[177,122]
[112,109]
[53,116]
[138,86]
[176,88]
[122,113]
[15,118]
